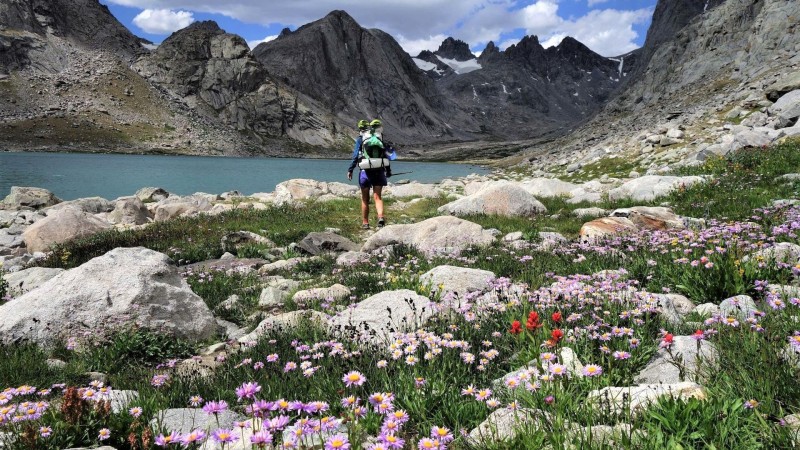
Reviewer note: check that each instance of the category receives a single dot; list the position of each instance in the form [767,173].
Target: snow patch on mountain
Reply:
[461,67]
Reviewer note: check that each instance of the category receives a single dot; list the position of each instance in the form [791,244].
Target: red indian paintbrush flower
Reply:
[556,317]
[533,321]
[557,335]
[516,327]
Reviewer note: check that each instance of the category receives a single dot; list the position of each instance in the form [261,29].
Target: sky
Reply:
[609,27]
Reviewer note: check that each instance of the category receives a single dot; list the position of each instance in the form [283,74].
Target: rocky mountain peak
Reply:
[202,56]
[340,19]
[528,51]
[357,73]
[489,54]
[571,52]
[86,23]
[455,49]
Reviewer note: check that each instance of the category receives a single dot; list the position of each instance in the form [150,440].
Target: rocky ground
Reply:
[500,311]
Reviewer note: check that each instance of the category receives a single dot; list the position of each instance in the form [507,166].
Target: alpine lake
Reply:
[78,175]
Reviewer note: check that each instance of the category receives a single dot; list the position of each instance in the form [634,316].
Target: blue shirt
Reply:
[356,154]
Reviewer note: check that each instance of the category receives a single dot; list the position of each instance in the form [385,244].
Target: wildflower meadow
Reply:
[567,347]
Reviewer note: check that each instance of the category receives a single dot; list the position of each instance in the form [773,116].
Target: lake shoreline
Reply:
[73,175]
[477,162]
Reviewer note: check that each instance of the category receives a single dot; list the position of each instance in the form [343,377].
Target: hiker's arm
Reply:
[354,161]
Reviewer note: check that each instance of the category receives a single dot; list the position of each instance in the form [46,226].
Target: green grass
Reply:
[751,366]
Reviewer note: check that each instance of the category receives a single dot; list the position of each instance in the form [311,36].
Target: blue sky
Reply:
[609,27]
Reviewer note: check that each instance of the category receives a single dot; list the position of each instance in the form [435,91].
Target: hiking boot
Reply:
[381,222]
[365,226]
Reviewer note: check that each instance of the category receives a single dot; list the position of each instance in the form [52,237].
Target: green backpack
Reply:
[372,147]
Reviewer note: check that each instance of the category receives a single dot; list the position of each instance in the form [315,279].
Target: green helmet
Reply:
[375,123]
[363,124]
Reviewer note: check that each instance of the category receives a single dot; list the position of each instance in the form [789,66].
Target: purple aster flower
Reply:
[223,436]
[195,437]
[337,442]
[215,407]
[247,390]
[354,378]
[261,438]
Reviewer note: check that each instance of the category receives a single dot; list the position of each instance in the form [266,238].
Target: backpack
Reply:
[373,150]
[372,145]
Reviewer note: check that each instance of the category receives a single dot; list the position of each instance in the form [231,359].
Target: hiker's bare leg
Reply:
[364,205]
[378,200]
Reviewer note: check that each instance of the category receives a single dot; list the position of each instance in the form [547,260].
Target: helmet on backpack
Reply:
[375,123]
[363,124]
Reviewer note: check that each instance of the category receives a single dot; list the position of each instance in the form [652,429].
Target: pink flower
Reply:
[247,390]
[223,436]
[354,378]
[337,442]
[215,407]
[261,438]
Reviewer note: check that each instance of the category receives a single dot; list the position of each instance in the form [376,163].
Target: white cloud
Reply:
[596,2]
[608,32]
[423,24]
[553,41]
[162,21]
[414,46]
[255,43]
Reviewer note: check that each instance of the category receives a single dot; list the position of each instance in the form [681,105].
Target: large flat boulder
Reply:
[786,108]
[637,398]
[91,205]
[151,194]
[29,279]
[504,425]
[606,226]
[129,211]
[29,197]
[413,190]
[459,280]
[375,318]
[788,83]
[549,187]
[696,359]
[175,206]
[503,199]
[318,243]
[126,286]
[61,226]
[443,234]
[303,189]
[651,217]
[784,252]
[186,420]
[650,187]
[283,322]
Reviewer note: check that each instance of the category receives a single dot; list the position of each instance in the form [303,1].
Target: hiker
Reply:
[370,155]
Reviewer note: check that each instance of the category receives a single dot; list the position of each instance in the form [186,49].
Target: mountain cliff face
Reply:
[528,90]
[214,73]
[25,26]
[718,60]
[359,73]
[71,76]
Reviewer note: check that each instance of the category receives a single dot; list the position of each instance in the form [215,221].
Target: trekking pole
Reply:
[402,173]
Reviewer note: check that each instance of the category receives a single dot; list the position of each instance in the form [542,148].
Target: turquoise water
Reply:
[77,175]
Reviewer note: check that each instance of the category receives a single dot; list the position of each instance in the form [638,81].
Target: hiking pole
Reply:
[402,173]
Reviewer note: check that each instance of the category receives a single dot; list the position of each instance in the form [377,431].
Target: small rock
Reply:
[459,280]
[272,296]
[336,292]
[706,309]
[637,398]
[741,306]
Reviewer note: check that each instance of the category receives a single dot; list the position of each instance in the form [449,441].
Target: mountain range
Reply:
[73,78]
